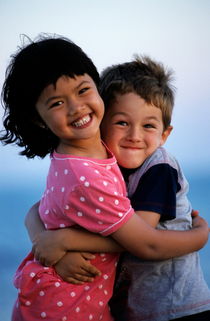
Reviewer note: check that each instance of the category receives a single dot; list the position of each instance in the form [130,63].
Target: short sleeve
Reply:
[98,206]
[157,190]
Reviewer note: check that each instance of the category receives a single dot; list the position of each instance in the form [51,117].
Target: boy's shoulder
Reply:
[160,156]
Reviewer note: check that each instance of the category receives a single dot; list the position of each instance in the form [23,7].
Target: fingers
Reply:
[91,269]
[194,213]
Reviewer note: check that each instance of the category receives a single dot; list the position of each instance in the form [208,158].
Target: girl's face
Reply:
[133,130]
[72,110]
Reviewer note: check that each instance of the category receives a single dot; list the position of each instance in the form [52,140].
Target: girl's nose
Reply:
[75,107]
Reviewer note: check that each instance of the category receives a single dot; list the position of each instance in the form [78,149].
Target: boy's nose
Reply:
[134,135]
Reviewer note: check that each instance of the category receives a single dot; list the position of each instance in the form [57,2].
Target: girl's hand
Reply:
[48,247]
[75,268]
[194,213]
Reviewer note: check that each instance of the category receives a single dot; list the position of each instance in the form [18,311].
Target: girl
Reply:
[53,106]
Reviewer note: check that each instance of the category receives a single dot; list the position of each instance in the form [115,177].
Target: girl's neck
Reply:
[84,148]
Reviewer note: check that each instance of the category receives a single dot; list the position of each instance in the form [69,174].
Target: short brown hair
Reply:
[143,76]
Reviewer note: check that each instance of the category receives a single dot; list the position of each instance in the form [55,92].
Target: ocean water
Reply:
[14,242]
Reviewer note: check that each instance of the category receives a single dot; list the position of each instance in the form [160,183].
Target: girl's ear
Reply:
[165,134]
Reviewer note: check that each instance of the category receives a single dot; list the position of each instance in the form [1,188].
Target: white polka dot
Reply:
[77,309]
[62,225]
[116,202]
[100,286]
[101,199]
[105,292]
[59,304]
[90,317]
[41,293]
[46,268]
[104,259]
[46,212]
[108,167]
[105,276]
[28,303]
[96,171]
[88,297]
[115,193]
[87,287]
[120,214]
[66,171]
[101,303]
[66,207]
[57,284]
[87,184]
[82,199]
[46,226]
[56,173]
[38,281]
[48,191]
[82,178]
[79,214]
[98,211]
[32,274]
[62,189]
[105,183]
[100,223]
[64,318]
[52,188]
[43,315]
[86,164]
[72,294]
[101,316]
[102,254]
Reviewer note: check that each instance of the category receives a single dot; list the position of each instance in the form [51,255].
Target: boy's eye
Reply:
[122,123]
[149,126]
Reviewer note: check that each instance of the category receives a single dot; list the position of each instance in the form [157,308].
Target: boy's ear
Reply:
[165,134]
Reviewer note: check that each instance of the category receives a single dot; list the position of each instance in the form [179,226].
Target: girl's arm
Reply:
[146,242]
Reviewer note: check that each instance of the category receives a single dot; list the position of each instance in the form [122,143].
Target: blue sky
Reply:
[174,32]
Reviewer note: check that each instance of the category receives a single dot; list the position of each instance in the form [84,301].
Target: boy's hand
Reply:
[48,247]
[75,268]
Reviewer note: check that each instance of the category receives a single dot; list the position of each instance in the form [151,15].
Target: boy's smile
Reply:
[133,129]
[72,110]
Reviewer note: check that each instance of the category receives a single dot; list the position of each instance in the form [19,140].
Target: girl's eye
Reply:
[56,104]
[83,90]
[122,123]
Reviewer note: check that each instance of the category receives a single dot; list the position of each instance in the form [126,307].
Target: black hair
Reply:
[33,67]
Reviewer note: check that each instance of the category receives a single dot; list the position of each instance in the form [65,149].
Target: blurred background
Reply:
[176,33]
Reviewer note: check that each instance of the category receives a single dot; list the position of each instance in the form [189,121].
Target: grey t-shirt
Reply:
[160,290]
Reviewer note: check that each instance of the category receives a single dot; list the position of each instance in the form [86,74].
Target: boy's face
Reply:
[133,130]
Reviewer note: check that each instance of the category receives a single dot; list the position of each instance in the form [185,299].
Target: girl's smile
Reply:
[72,109]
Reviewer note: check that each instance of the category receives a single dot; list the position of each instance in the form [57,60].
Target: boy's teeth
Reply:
[82,121]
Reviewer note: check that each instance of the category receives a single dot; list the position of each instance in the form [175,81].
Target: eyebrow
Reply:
[57,97]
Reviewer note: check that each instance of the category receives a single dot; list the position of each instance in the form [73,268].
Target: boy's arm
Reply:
[50,246]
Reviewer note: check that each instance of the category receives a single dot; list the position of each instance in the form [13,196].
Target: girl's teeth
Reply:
[82,121]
